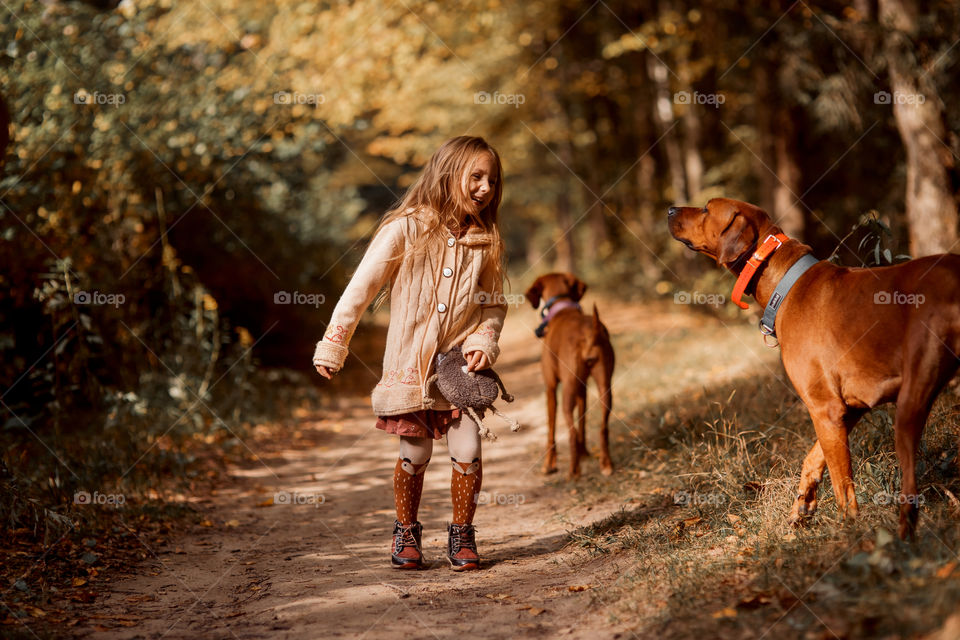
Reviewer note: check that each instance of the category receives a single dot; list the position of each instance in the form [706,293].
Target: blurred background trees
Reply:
[203,159]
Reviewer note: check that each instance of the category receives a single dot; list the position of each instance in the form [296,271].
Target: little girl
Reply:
[440,253]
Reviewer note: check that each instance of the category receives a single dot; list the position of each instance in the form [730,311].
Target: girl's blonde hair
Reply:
[438,193]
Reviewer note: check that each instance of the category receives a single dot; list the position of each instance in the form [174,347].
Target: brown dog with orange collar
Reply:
[576,347]
[850,338]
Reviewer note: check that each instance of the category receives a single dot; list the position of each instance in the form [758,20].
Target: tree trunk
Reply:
[4,129]
[564,260]
[918,111]
[764,118]
[663,116]
[787,210]
[693,160]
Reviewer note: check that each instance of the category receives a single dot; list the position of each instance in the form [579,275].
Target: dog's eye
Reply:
[704,210]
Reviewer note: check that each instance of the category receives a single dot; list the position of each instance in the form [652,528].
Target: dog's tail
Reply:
[599,331]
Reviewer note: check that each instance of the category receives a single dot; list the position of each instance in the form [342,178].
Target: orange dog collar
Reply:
[763,252]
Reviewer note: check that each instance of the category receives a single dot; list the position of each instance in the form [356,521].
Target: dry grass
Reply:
[712,474]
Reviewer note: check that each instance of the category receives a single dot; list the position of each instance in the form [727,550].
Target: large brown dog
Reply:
[850,339]
[576,347]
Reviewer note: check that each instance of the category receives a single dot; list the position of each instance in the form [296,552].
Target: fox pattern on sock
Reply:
[465,482]
[407,489]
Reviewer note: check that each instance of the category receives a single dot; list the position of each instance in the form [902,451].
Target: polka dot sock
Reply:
[407,488]
[465,489]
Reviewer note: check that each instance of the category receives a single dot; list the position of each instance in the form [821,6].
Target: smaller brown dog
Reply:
[576,347]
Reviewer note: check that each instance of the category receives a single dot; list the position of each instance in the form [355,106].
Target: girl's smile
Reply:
[481,180]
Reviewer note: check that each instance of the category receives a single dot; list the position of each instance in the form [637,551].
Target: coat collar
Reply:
[475,236]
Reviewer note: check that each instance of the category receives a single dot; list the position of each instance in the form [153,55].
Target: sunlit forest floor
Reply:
[687,539]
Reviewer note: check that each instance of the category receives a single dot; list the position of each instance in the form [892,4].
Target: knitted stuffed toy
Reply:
[470,391]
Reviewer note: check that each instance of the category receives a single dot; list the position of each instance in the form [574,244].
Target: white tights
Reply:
[463,442]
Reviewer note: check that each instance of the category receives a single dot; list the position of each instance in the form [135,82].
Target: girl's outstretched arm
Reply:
[376,268]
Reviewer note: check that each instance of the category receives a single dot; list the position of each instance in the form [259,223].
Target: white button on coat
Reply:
[451,242]
[447,271]
[441,307]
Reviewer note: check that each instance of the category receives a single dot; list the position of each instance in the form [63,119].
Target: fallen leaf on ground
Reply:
[947,569]
[728,612]
[144,597]
[755,601]
[581,587]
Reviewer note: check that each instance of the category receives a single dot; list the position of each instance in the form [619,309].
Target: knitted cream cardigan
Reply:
[440,299]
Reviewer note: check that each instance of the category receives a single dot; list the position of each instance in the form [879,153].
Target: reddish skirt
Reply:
[419,424]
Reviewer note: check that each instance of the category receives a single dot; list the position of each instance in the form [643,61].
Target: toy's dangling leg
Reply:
[514,425]
[428,401]
[484,430]
[507,397]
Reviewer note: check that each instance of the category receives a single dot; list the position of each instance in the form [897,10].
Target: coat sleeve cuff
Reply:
[330,355]
[484,342]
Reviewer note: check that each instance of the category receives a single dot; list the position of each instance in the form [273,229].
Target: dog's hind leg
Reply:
[570,396]
[810,477]
[550,460]
[922,382]
[833,421]
[602,377]
[581,408]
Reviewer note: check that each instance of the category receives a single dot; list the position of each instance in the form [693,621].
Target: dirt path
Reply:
[317,570]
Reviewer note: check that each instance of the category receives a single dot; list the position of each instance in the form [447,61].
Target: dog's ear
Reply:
[576,286]
[738,238]
[534,292]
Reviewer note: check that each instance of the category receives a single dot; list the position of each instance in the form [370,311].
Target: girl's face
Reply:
[480,181]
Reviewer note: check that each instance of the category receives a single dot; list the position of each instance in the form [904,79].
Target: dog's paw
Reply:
[802,512]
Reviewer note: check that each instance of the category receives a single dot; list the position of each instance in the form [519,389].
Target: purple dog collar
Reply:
[552,309]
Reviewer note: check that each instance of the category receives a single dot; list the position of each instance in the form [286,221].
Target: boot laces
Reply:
[405,537]
[462,537]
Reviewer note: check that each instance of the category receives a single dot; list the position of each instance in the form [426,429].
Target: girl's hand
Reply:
[324,372]
[476,360]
